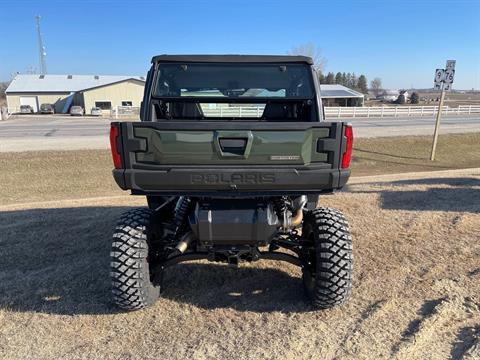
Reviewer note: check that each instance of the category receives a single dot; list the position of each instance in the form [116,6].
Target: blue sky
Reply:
[401,42]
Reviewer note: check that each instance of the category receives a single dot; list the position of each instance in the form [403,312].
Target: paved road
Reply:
[64,132]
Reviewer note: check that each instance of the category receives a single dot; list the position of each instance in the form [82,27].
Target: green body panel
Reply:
[202,147]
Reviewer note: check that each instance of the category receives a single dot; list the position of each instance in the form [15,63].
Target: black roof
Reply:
[232,59]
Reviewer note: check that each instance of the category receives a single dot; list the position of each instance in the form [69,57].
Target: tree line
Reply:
[349,80]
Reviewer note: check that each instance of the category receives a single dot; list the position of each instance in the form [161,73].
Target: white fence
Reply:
[398,111]
[119,112]
[234,111]
[339,112]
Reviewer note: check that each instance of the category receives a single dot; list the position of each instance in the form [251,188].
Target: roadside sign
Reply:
[450,65]
[443,81]
[439,76]
[449,75]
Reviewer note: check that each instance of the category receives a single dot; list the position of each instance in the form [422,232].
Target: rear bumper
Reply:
[230,182]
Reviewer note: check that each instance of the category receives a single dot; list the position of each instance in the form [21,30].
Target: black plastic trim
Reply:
[205,182]
[267,59]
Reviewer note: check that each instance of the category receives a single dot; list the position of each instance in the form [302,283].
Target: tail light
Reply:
[117,159]
[347,155]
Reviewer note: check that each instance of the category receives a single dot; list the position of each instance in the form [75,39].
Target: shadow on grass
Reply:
[411,165]
[456,194]
[56,261]
[213,286]
[465,341]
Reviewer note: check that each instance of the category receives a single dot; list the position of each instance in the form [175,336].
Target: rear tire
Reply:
[328,278]
[133,288]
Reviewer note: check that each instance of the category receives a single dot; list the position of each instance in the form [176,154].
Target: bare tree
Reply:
[376,86]
[3,87]
[311,50]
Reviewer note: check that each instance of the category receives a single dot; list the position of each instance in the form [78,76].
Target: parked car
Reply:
[77,111]
[47,109]
[96,111]
[26,109]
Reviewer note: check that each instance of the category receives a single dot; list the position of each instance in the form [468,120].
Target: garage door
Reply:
[30,100]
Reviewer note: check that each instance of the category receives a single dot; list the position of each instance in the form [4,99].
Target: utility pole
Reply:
[443,81]
[41,49]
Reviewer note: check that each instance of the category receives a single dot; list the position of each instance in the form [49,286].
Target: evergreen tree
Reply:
[414,98]
[330,79]
[321,77]
[344,79]
[338,78]
[354,81]
[362,84]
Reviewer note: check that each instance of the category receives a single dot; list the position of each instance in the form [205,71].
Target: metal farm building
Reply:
[64,91]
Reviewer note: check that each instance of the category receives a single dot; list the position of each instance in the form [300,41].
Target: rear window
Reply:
[233,81]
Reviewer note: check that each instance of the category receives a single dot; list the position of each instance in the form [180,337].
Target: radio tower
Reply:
[41,49]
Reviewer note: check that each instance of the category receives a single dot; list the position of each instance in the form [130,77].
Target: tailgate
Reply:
[234,157]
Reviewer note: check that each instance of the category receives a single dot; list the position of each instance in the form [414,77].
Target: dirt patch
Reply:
[416,286]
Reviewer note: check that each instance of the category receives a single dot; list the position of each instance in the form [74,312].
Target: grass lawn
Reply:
[53,175]
[391,155]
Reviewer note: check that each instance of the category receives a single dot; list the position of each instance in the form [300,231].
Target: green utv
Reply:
[232,154]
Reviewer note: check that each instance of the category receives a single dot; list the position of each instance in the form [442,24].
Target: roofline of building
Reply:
[38,92]
[341,97]
[112,83]
[67,91]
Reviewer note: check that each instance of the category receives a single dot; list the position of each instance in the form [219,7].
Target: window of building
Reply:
[104,105]
[126,103]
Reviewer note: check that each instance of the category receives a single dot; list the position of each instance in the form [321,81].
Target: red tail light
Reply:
[347,155]
[117,159]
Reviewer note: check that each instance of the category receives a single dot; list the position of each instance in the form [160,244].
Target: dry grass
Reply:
[416,280]
[392,155]
[416,288]
[51,175]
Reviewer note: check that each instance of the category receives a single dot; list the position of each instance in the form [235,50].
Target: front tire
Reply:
[132,285]
[328,277]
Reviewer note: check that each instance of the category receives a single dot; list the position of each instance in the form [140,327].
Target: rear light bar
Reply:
[347,155]
[117,159]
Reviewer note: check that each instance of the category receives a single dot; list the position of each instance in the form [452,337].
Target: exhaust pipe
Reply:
[185,242]
[295,220]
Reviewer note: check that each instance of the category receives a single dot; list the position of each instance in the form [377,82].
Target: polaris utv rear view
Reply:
[232,154]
